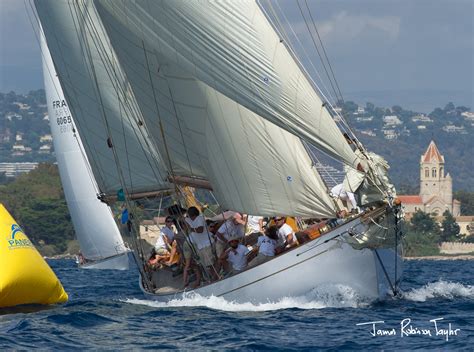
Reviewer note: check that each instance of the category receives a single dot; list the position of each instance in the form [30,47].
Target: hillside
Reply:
[402,136]
[399,135]
[36,201]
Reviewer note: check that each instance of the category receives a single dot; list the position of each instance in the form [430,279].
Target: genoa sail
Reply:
[94,225]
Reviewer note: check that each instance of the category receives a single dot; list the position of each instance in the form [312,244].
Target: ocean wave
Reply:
[440,289]
[328,296]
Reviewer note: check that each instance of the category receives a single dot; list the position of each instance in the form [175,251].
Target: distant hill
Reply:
[399,135]
[402,136]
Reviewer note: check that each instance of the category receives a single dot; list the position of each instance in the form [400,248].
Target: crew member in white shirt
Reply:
[235,255]
[254,224]
[266,246]
[200,239]
[339,192]
[286,235]
[231,228]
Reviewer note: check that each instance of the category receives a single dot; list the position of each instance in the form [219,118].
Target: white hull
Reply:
[328,260]
[117,262]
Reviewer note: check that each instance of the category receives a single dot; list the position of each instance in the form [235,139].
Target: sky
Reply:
[415,53]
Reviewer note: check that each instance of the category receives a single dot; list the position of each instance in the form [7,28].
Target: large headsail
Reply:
[95,228]
[164,83]
[253,165]
[231,47]
[102,103]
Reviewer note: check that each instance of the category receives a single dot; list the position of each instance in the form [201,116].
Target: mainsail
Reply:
[96,231]
[200,89]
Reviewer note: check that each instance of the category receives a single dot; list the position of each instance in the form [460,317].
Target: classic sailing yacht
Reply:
[209,94]
[101,244]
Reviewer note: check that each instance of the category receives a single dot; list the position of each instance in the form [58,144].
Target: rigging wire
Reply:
[134,111]
[372,173]
[324,51]
[88,52]
[317,49]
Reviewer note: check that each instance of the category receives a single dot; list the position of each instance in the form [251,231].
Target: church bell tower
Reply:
[433,181]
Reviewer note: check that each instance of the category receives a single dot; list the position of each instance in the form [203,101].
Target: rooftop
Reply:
[432,154]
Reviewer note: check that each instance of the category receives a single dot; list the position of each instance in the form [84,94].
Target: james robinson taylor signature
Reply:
[408,329]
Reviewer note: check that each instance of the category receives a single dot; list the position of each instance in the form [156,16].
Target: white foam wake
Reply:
[322,297]
[440,289]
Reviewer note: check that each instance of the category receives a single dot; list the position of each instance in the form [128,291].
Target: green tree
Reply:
[350,107]
[422,235]
[397,110]
[450,228]
[424,223]
[37,202]
[467,202]
[47,220]
[449,107]
[369,107]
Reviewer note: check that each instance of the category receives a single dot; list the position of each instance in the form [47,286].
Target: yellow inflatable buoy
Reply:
[25,277]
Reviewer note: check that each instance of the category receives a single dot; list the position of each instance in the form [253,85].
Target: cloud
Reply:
[344,26]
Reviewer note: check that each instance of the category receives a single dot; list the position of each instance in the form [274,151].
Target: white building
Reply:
[46,138]
[421,118]
[15,169]
[454,129]
[392,120]
[390,134]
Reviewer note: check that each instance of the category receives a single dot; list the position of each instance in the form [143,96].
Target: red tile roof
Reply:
[432,154]
[411,199]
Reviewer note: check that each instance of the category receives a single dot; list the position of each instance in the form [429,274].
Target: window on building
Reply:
[440,172]
[433,173]
[427,172]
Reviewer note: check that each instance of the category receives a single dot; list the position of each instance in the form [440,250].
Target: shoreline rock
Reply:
[62,256]
[442,257]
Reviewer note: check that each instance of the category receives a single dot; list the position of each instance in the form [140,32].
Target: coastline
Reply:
[428,257]
[61,256]
[442,257]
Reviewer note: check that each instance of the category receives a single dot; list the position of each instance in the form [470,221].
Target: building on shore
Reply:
[436,187]
[436,192]
[16,169]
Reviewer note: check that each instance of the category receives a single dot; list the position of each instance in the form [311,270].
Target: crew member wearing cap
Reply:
[232,228]
[235,256]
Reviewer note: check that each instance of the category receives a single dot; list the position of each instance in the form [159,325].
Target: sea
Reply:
[107,311]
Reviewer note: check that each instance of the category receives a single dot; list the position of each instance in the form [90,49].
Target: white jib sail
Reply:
[95,228]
